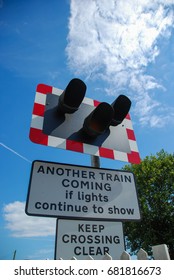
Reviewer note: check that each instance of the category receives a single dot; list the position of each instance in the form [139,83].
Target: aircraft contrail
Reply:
[14,152]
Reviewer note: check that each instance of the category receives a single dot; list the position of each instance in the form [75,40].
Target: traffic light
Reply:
[101,117]
[72,96]
[98,120]
[67,119]
[121,108]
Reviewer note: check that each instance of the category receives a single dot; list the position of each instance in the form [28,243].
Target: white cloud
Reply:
[116,41]
[22,225]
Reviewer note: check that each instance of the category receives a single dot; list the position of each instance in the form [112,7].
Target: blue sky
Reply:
[116,47]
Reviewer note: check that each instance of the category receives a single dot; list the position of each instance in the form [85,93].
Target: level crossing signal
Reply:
[69,120]
[104,115]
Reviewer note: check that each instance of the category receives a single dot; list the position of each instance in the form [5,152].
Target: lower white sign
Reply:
[79,239]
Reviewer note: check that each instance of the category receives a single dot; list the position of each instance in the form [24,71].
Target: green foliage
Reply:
[155,186]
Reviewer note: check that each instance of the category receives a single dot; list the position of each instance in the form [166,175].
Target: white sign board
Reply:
[79,239]
[61,190]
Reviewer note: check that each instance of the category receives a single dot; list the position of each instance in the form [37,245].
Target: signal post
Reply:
[68,120]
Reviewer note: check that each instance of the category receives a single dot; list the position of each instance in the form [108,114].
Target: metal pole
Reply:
[14,255]
[95,161]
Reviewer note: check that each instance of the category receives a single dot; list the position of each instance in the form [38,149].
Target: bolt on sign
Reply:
[79,239]
[62,190]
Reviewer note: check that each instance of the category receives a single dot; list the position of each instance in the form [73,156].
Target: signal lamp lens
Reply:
[121,107]
[72,96]
[98,120]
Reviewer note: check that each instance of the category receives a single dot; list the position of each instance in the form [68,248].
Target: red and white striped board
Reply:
[37,136]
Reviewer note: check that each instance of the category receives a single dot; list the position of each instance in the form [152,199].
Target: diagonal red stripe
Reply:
[44,89]
[130,134]
[37,136]
[74,146]
[107,153]
[134,157]
[38,109]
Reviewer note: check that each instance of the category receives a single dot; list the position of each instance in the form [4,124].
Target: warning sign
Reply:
[49,129]
[79,239]
[61,190]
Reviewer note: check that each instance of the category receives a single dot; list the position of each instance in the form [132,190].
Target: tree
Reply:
[155,186]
